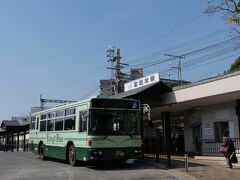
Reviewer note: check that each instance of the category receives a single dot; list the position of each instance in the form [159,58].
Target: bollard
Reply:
[186,162]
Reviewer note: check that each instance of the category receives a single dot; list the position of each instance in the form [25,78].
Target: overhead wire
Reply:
[185,44]
[194,52]
[165,34]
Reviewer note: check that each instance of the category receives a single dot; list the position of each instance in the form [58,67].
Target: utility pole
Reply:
[179,67]
[113,56]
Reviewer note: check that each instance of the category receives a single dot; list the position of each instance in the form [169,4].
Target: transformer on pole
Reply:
[113,56]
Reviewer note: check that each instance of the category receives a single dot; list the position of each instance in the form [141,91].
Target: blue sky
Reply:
[58,47]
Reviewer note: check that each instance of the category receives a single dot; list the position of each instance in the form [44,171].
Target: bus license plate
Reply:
[119,153]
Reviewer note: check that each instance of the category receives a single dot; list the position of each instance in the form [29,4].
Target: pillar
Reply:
[166,119]
[12,135]
[24,140]
[18,141]
[7,141]
[238,114]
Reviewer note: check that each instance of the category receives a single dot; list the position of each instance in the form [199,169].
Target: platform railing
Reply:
[213,145]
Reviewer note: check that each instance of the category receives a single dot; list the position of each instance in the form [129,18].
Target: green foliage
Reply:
[230,9]
[235,66]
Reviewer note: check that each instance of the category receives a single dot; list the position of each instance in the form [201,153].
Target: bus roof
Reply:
[69,105]
[62,106]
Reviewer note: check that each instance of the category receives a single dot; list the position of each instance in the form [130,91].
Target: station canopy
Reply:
[149,94]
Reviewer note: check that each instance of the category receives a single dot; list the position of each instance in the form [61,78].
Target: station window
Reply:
[42,125]
[219,128]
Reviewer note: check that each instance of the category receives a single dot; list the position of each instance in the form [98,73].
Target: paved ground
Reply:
[26,166]
[202,169]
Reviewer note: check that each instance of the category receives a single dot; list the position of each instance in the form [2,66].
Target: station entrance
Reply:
[163,132]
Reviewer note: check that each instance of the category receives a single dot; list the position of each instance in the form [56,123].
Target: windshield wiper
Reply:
[124,133]
[107,134]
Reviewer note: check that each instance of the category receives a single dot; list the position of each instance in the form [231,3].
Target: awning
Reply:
[149,94]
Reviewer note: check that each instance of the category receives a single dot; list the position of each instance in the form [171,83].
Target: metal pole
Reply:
[169,153]
[186,162]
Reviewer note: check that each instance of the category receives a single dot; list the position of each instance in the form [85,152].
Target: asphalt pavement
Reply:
[26,166]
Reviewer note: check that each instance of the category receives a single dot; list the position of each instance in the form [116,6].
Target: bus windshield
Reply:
[114,122]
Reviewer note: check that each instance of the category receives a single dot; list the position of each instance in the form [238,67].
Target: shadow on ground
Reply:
[104,166]
[175,164]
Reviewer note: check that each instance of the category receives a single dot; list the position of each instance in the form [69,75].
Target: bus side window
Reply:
[33,122]
[37,122]
[83,116]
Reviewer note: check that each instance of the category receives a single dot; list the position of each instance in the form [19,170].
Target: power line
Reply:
[91,93]
[195,52]
[203,62]
[188,43]
[165,34]
[179,67]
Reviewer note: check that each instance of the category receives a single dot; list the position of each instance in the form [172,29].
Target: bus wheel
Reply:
[72,155]
[41,152]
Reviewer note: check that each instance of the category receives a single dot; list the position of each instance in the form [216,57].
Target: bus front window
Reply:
[112,122]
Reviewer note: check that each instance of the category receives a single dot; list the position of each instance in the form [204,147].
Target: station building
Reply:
[192,116]
[14,134]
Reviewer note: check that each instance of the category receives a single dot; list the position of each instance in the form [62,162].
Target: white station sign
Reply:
[144,81]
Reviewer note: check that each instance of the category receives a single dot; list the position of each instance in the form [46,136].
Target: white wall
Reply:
[209,115]
[219,113]
[188,137]
[218,87]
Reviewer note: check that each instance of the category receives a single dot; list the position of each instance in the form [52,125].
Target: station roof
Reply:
[9,123]
[208,80]
[149,94]
[13,126]
[206,92]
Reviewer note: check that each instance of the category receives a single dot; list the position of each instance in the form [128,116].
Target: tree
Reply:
[234,66]
[229,8]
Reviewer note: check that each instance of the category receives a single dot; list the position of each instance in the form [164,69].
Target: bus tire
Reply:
[72,155]
[42,152]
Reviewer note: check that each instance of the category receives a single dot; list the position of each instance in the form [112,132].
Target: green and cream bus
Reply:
[102,129]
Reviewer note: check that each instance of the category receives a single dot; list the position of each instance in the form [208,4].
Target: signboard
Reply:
[144,81]
[208,129]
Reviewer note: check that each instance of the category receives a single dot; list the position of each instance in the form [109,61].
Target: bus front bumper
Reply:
[111,154]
